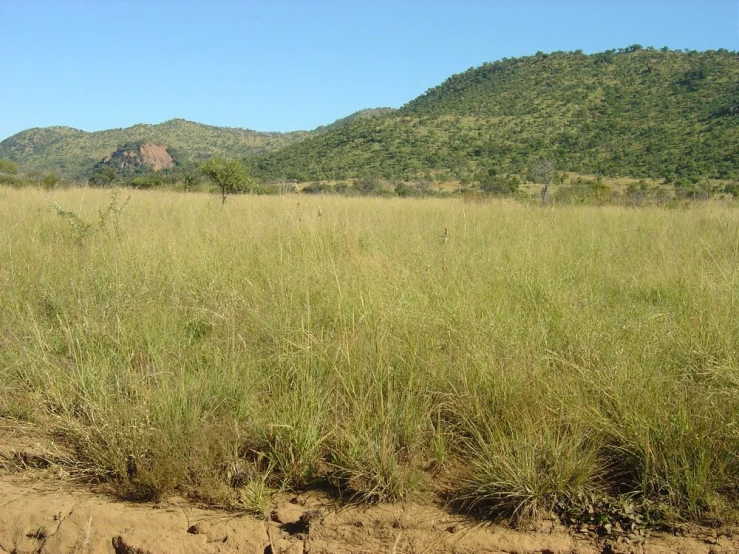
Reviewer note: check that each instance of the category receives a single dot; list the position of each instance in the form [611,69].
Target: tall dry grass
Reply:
[512,359]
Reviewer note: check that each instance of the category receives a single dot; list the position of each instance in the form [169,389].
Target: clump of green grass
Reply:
[524,469]
[369,467]
[527,359]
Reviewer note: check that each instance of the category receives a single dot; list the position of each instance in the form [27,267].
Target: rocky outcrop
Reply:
[131,159]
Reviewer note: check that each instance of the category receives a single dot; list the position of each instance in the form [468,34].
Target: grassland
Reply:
[504,358]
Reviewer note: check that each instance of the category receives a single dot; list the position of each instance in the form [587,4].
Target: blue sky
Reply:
[283,65]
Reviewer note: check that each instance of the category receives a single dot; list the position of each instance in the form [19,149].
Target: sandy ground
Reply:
[43,511]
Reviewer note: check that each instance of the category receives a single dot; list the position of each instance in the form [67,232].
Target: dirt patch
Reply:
[42,511]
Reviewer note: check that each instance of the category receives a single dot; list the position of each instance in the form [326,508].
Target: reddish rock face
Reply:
[154,156]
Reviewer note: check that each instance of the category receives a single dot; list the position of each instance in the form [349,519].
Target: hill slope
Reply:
[361,114]
[637,112]
[74,153]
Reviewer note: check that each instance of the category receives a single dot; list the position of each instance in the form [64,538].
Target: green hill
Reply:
[74,153]
[361,114]
[633,112]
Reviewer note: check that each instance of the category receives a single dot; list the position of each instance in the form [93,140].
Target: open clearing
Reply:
[509,362]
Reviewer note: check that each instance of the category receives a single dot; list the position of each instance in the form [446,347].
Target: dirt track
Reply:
[41,511]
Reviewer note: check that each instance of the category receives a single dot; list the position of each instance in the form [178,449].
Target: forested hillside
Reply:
[77,154]
[74,153]
[634,112]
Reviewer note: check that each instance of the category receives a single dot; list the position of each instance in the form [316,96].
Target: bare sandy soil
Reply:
[43,511]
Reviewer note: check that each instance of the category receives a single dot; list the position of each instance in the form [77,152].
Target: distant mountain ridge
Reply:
[637,112]
[361,114]
[76,153]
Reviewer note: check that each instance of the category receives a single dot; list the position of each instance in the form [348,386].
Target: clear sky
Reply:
[282,65]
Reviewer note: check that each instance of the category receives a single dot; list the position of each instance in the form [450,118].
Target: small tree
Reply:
[403,190]
[190,179]
[103,176]
[8,167]
[230,175]
[542,173]
[368,186]
[49,181]
[500,184]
